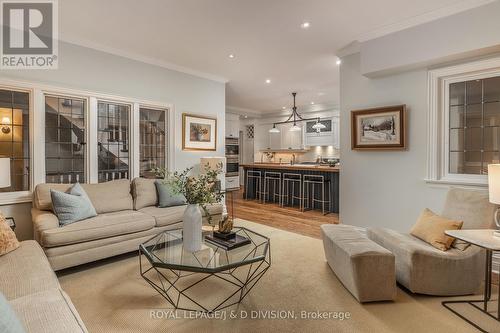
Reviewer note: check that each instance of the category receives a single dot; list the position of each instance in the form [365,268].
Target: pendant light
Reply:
[295,118]
[274,129]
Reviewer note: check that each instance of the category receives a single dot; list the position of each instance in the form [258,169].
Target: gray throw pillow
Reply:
[167,197]
[9,323]
[72,206]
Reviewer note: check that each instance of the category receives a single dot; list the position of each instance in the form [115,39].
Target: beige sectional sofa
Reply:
[31,287]
[127,216]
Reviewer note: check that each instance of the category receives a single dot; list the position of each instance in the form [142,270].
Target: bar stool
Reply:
[290,182]
[274,179]
[309,184]
[254,176]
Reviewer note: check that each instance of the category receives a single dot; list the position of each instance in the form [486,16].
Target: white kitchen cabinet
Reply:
[232,128]
[290,140]
[330,137]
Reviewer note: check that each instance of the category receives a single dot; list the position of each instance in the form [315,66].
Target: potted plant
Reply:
[199,191]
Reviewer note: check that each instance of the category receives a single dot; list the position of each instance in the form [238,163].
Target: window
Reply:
[65,140]
[474,120]
[464,122]
[14,137]
[113,141]
[152,143]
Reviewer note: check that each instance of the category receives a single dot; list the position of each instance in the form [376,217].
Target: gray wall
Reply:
[385,189]
[88,69]
[471,33]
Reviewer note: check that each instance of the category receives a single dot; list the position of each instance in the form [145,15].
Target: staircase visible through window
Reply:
[113,141]
[65,140]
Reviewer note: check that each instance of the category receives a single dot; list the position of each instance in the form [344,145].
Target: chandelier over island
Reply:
[295,118]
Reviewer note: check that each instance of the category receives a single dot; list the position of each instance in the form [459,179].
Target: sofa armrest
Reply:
[43,220]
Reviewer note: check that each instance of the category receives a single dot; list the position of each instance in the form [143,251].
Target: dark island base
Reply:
[250,191]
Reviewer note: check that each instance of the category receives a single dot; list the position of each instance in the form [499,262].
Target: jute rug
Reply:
[111,296]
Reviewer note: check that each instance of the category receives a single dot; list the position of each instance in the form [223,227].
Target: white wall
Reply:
[385,189]
[467,34]
[88,69]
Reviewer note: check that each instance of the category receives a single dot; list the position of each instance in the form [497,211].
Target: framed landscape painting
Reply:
[198,133]
[379,129]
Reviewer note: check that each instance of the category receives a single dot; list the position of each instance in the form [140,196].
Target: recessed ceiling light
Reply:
[321,93]
[283,107]
[231,56]
[305,25]
[268,81]
[245,116]
[312,103]
[338,62]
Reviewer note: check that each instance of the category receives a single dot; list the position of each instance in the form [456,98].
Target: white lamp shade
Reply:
[4,172]
[494,183]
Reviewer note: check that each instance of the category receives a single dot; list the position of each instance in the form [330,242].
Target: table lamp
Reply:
[494,189]
[4,172]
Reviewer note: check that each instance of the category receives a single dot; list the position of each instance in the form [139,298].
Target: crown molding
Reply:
[424,18]
[137,57]
[243,111]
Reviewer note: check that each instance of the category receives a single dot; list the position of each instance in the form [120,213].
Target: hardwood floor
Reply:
[285,218]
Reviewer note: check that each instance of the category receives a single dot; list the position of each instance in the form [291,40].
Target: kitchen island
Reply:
[330,174]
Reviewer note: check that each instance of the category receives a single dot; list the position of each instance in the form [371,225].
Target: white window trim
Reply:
[437,119]
[37,93]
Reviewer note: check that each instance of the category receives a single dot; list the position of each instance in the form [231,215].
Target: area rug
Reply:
[299,293]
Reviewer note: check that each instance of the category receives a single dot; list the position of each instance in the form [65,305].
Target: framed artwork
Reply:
[379,129]
[198,133]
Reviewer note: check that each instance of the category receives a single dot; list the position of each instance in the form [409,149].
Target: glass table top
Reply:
[166,250]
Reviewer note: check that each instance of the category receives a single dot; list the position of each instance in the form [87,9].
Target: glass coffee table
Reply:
[207,280]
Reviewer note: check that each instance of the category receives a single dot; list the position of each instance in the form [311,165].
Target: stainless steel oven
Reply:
[232,166]
[232,147]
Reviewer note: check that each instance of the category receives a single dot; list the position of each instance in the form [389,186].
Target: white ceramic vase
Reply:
[192,228]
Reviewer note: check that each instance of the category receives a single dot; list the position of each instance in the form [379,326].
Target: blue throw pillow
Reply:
[72,206]
[167,197]
[9,323]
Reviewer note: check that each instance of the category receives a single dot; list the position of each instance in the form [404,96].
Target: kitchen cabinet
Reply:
[290,140]
[327,137]
[232,128]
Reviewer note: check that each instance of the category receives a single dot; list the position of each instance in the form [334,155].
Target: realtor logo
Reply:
[29,34]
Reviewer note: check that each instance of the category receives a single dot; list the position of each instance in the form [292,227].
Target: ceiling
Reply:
[265,36]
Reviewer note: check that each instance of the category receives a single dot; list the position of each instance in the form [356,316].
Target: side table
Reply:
[484,239]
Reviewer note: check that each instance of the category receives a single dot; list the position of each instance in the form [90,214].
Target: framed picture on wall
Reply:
[198,133]
[379,129]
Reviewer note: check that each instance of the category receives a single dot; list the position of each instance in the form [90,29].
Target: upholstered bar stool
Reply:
[291,183]
[256,178]
[310,184]
[274,179]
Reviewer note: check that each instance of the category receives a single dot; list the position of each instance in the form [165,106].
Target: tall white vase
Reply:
[192,228]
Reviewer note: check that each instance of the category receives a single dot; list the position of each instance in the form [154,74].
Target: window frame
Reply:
[439,81]
[137,140]
[37,92]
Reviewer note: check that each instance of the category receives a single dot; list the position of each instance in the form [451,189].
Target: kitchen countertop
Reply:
[305,167]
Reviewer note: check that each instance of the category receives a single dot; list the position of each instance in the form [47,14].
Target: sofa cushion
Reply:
[106,197]
[101,226]
[48,311]
[167,196]
[424,269]
[9,322]
[170,215]
[8,239]
[144,193]
[73,206]
[25,271]
[431,229]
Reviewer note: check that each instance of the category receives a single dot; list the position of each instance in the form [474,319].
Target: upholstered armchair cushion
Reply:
[426,270]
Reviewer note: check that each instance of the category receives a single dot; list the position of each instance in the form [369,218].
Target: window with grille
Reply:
[474,122]
[65,140]
[152,141]
[113,135]
[14,137]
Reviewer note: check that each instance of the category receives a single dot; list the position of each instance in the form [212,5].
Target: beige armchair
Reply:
[424,269]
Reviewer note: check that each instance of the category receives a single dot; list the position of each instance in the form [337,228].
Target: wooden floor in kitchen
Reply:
[285,218]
